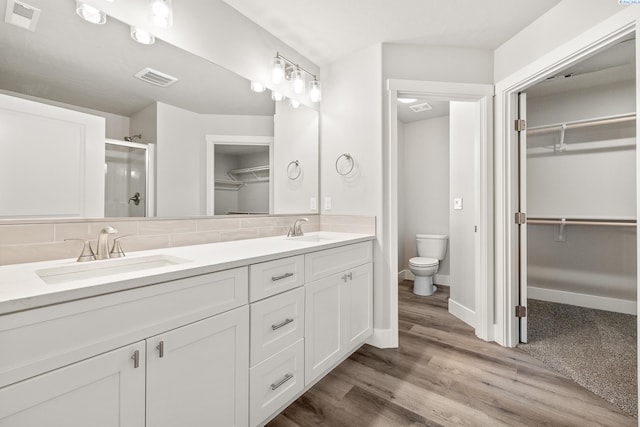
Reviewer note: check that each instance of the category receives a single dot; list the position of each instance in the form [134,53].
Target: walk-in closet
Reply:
[579,194]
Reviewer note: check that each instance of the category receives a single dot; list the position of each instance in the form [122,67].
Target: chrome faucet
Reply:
[102,249]
[296,230]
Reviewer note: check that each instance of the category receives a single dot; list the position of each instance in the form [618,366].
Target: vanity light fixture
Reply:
[285,68]
[90,13]
[277,96]
[162,13]
[257,86]
[294,103]
[142,36]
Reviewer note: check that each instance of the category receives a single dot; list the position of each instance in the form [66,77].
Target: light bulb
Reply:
[277,96]
[277,72]
[90,13]
[162,13]
[294,103]
[257,86]
[314,91]
[298,81]
[142,36]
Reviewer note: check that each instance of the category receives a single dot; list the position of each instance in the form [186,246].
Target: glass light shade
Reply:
[90,13]
[257,86]
[294,103]
[142,36]
[298,81]
[314,91]
[277,71]
[162,13]
[277,96]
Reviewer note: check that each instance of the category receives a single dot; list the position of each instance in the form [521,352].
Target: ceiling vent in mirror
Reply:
[155,77]
[21,15]
[418,108]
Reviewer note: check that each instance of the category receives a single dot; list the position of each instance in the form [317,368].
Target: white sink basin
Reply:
[321,237]
[95,269]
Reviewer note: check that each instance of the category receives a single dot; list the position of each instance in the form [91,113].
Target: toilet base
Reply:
[423,286]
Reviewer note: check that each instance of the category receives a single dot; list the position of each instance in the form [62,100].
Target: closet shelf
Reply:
[228,184]
[254,174]
[599,121]
[592,222]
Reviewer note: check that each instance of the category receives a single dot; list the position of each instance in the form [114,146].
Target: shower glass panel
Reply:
[125,179]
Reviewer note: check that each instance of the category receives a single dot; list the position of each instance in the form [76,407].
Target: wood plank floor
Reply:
[443,375]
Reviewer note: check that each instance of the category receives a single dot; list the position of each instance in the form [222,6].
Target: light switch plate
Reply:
[327,203]
[313,205]
[457,203]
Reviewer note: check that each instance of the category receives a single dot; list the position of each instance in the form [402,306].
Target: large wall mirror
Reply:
[162,140]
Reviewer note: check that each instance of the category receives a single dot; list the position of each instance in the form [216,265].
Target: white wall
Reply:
[423,196]
[296,138]
[464,142]
[145,122]
[223,124]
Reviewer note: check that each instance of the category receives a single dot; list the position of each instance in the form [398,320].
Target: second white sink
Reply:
[95,269]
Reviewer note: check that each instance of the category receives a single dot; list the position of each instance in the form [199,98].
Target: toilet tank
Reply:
[432,245]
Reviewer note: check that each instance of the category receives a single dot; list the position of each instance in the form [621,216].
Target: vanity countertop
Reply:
[22,288]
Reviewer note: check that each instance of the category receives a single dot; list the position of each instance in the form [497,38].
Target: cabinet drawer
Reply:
[273,277]
[40,340]
[276,323]
[275,382]
[331,261]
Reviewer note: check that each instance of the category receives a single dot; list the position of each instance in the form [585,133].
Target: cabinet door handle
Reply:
[286,378]
[283,276]
[136,359]
[160,348]
[281,324]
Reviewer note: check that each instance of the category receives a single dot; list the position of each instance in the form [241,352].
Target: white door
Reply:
[522,207]
[103,391]
[323,325]
[198,375]
[358,298]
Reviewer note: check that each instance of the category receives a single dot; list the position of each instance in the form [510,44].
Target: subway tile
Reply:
[19,254]
[272,231]
[124,227]
[187,239]
[143,243]
[73,230]
[242,234]
[166,227]
[211,224]
[26,233]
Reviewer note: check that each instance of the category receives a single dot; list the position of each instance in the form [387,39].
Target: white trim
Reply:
[463,313]
[484,266]
[583,300]
[506,249]
[212,141]
[383,338]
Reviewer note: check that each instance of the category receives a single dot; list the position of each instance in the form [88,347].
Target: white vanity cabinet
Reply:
[338,305]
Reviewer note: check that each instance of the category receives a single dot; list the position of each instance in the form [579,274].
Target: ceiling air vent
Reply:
[155,77]
[21,15]
[418,108]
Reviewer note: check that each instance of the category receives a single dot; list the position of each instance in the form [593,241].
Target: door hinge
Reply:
[520,125]
[521,218]
[521,311]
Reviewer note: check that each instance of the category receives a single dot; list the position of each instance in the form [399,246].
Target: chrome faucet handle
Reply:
[87,252]
[116,249]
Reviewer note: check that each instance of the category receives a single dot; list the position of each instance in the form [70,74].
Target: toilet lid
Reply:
[423,261]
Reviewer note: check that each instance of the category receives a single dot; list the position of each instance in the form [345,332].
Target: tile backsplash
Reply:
[22,241]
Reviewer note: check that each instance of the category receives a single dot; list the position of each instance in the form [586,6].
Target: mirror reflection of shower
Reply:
[127,183]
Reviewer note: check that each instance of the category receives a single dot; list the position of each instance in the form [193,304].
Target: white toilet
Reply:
[431,250]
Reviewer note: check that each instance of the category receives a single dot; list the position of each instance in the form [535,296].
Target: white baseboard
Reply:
[438,279]
[383,338]
[583,300]
[462,313]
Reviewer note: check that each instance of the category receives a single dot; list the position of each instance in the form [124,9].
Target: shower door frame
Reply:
[150,155]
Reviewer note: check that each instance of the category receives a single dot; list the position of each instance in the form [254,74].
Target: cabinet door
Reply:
[323,325]
[103,391]
[358,313]
[198,375]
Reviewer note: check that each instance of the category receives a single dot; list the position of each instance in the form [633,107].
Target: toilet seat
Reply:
[423,262]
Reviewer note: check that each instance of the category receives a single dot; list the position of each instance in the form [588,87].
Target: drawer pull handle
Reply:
[282,381]
[280,325]
[160,348]
[284,276]
[136,359]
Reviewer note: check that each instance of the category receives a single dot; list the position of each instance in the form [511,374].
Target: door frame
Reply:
[212,141]
[506,197]
[483,94]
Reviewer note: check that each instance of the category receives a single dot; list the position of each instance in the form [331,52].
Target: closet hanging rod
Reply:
[606,223]
[582,123]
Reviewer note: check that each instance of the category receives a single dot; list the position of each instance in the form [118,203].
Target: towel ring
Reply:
[349,158]
[296,164]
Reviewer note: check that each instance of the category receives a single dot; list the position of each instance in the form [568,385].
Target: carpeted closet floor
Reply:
[595,348]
